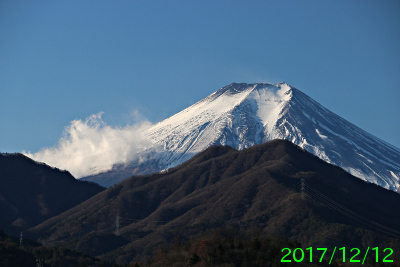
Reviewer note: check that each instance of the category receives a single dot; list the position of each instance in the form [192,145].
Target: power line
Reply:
[330,203]
[239,211]
[260,203]
[304,189]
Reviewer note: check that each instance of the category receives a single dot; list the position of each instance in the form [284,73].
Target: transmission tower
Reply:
[20,240]
[117,225]
[302,188]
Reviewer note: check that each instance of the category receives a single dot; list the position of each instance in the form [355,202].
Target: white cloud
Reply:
[91,146]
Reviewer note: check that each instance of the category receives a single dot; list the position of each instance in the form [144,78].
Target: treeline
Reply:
[30,253]
[227,247]
[230,247]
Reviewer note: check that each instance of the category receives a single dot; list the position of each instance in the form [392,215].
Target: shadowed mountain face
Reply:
[32,192]
[276,186]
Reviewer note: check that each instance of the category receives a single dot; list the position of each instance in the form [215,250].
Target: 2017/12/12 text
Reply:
[353,255]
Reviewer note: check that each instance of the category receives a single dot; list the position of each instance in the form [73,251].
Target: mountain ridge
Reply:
[242,115]
[32,192]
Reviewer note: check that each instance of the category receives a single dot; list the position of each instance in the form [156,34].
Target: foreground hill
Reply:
[256,187]
[242,115]
[32,192]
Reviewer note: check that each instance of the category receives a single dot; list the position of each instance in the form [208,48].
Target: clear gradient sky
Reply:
[65,60]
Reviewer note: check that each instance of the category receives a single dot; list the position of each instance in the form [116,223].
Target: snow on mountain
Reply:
[241,115]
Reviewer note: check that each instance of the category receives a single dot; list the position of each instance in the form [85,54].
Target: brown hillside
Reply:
[259,186]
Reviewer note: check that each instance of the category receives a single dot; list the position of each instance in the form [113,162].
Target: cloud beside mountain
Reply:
[92,146]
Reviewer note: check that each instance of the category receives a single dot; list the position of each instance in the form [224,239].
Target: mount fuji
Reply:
[241,115]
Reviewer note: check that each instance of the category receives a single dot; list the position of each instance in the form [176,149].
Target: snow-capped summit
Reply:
[235,115]
[241,115]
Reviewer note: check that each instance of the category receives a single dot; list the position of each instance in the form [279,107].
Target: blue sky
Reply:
[66,60]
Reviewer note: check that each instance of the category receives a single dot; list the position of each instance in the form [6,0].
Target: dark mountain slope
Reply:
[32,192]
[255,187]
